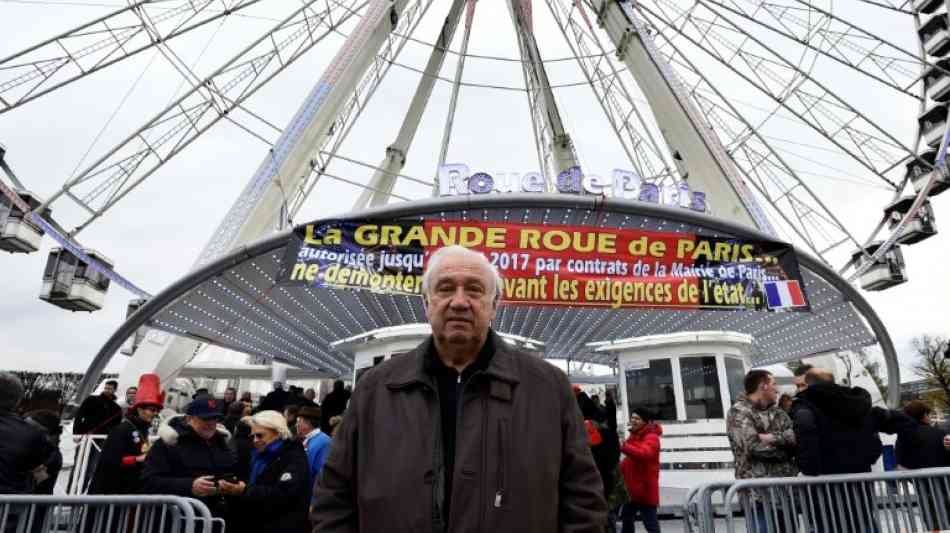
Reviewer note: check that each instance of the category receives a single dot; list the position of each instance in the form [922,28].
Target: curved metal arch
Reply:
[182,287]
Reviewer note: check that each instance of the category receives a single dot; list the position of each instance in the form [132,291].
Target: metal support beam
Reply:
[381,185]
[456,85]
[254,213]
[705,163]
[127,165]
[103,42]
[557,149]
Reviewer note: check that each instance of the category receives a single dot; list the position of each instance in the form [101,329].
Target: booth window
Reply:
[701,387]
[652,388]
[51,265]
[735,376]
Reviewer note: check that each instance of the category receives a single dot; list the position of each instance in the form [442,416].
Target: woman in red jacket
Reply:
[641,471]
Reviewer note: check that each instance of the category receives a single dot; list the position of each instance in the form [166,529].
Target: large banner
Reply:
[555,264]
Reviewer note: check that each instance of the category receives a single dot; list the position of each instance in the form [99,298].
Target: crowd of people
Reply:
[464,433]
[254,466]
[827,428]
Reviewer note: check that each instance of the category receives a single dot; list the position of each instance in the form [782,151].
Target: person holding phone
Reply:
[276,495]
[191,452]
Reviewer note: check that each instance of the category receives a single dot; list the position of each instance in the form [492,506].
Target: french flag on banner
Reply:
[783,294]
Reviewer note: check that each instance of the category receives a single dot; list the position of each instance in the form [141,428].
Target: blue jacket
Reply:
[318,447]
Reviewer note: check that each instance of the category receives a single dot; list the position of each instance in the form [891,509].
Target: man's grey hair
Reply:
[435,261]
[11,391]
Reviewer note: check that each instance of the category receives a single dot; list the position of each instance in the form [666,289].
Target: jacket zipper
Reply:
[459,396]
[438,522]
[482,490]
[500,492]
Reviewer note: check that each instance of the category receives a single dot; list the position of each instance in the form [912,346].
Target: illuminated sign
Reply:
[457,179]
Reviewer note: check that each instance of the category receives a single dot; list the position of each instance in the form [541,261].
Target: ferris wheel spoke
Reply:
[901,6]
[456,86]
[351,111]
[796,91]
[604,79]
[103,42]
[555,148]
[385,176]
[764,168]
[127,165]
[833,37]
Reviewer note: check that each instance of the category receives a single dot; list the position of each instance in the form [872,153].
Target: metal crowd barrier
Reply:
[880,502]
[105,514]
[85,456]
[700,508]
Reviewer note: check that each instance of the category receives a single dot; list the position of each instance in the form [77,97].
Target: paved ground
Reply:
[675,525]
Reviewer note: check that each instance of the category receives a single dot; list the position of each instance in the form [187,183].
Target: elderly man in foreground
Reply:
[464,433]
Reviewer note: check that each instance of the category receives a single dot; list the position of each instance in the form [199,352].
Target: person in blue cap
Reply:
[192,456]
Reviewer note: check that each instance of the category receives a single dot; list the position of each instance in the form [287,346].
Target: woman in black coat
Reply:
[276,495]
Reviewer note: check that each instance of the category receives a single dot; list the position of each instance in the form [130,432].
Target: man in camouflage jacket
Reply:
[761,434]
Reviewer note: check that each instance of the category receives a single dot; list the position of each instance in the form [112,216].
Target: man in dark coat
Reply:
[837,428]
[837,433]
[23,447]
[610,410]
[462,434]
[48,422]
[333,405]
[276,400]
[191,456]
[97,415]
[921,446]
[120,464]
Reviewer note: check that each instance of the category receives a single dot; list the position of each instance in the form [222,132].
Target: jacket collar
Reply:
[501,368]
[312,434]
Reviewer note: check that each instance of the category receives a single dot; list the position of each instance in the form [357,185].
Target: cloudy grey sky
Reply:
[155,234]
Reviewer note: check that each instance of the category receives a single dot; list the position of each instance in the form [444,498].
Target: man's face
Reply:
[130,395]
[799,382]
[204,428]
[303,427]
[310,394]
[769,390]
[229,395]
[108,390]
[461,301]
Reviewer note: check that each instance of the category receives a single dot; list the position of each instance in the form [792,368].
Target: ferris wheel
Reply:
[768,106]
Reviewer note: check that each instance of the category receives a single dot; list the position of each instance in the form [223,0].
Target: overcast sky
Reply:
[155,234]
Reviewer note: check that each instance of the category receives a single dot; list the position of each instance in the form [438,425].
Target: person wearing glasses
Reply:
[276,495]
[119,468]
[191,456]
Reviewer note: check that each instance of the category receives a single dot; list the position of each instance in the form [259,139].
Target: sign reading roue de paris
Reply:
[457,179]
[555,264]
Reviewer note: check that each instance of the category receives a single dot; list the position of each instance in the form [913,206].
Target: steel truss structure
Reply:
[655,68]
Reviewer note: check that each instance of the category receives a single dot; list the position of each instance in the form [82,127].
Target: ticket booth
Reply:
[373,347]
[689,381]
